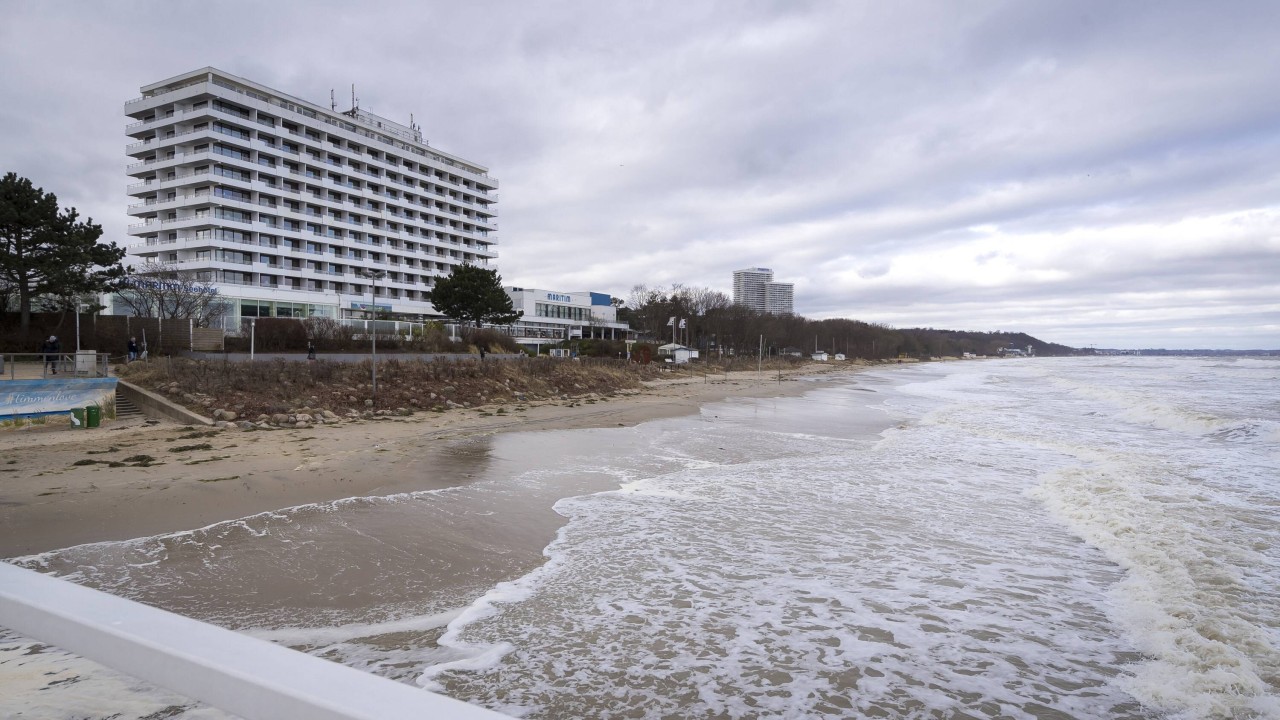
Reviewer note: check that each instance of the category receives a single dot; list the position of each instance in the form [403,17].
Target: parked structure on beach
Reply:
[296,210]
[755,288]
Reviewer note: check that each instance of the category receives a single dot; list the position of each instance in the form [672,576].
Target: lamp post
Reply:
[375,276]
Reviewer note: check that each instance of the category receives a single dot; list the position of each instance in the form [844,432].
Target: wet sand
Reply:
[198,476]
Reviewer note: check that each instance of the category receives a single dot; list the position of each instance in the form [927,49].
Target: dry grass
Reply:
[280,386]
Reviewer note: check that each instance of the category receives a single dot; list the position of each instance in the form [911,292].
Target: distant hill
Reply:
[957,342]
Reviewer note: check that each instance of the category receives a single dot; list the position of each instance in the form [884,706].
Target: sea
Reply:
[1022,538]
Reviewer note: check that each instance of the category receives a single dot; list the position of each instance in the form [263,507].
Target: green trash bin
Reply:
[93,416]
[78,414]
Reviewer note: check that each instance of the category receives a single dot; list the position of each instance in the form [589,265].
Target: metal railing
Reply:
[252,678]
[41,366]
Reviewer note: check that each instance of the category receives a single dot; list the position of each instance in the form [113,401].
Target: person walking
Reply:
[133,349]
[51,348]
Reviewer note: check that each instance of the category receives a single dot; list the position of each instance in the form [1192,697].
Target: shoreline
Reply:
[57,490]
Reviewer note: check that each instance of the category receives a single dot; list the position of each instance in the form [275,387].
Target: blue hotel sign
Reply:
[559,297]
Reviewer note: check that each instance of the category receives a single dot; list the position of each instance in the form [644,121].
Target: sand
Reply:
[200,476]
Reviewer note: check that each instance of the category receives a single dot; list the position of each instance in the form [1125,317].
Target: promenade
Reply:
[32,366]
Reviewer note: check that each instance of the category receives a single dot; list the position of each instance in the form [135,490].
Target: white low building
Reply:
[550,316]
[677,353]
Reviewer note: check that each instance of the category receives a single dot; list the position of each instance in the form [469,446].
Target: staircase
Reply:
[125,408]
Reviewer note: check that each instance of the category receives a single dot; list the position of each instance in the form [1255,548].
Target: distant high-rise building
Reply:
[749,287]
[754,287]
[779,298]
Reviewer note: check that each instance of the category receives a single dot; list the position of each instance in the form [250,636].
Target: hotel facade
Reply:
[287,207]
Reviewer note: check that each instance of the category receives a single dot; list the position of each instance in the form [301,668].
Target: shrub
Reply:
[279,334]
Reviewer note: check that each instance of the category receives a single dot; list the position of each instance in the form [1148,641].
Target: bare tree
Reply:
[158,289]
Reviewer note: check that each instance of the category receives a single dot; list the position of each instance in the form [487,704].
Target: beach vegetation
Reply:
[139,460]
[207,460]
[278,386]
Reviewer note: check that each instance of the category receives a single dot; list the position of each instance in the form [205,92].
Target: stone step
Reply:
[125,407]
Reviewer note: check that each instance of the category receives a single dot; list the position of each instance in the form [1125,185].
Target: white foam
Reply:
[351,631]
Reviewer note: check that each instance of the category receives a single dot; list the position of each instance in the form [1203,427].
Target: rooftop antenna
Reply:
[333,104]
[355,103]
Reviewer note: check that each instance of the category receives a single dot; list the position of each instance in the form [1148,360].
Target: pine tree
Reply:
[473,294]
[47,252]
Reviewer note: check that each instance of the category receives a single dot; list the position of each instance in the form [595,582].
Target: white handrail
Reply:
[252,678]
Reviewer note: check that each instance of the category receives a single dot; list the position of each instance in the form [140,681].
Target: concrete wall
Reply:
[153,405]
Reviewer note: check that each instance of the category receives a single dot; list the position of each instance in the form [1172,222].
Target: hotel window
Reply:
[253,308]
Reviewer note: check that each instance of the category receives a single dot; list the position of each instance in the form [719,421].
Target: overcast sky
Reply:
[1091,173]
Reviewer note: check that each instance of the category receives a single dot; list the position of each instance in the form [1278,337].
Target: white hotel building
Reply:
[281,202]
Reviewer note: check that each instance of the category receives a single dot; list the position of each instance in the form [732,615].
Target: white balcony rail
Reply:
[252,678]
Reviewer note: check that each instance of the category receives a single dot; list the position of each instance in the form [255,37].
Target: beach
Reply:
[1038,538]
[199,476]
[442,513]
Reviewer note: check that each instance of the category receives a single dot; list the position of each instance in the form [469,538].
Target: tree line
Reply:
[708,320]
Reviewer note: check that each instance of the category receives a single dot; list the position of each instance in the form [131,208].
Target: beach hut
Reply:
[677,353]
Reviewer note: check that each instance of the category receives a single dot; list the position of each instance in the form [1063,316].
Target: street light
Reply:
[375,276]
